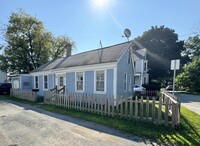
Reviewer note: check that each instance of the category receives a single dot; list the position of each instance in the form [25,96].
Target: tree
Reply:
[61,46]
[192,47]
[190,78]
[29,45]
[162,46]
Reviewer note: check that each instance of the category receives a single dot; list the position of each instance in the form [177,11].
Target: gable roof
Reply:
[109,54]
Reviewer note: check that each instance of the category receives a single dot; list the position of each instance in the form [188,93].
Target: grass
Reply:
[187,134]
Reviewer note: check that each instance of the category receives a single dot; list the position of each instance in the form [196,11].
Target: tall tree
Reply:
[29,45]
[192,47]
[190,78]
[162,46]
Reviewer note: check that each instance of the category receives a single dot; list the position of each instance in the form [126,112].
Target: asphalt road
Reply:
[25,125]
[192,102]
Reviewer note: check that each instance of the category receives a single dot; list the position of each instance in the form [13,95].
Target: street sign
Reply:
[175,64]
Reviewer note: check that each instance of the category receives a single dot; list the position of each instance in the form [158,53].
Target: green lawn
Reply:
[187,134]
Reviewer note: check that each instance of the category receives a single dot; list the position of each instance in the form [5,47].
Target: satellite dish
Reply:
[127,33]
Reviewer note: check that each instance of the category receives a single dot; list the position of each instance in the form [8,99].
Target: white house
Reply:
[140,64]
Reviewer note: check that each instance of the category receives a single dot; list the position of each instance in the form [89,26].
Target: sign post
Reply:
[175,65]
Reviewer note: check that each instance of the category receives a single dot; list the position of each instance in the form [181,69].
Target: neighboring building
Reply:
[140,64]
[21,81]
[108,71]
[3,77]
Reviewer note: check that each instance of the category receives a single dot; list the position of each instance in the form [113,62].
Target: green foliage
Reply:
[29,45]
[192,47]
[162,46]
[190,78]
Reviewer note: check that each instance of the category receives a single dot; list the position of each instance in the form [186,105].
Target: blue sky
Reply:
[87,23]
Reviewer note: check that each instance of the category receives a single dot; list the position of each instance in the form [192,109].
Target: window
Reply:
[45,82]
[145,80]
[129,57]
[100,80]
[36,82]
[134,64]
[145,66]
[125,82]
[130,83]
[79,81]
[61,81]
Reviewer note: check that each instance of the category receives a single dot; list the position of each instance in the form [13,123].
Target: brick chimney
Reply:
[68,50]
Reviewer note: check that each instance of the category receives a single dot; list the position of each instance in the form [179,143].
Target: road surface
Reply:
[23,125]
[192,102]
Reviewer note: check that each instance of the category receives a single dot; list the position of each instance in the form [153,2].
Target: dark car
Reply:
[5,88]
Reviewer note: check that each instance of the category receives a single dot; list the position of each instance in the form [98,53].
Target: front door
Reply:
[60,81]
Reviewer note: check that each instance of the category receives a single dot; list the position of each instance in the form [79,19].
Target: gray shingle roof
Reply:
[109,54]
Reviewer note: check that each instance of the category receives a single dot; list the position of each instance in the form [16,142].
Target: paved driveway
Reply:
[25,125]
[191,102]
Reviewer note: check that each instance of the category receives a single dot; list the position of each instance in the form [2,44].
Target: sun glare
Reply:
[100,4]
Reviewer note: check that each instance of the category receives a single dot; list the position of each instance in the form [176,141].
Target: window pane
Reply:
[36,81]
[79,81]
[100,86]
[36,85]
[61,81]
[45,78]
[45,82]
[100,81]
[125,82]
[36,78]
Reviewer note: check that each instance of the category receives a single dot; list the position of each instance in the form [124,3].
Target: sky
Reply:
[87,22]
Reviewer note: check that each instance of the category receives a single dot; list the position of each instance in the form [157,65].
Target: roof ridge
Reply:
[99,49]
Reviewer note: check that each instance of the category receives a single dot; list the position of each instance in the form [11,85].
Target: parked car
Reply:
[139,88]
[5,88]
[169,87]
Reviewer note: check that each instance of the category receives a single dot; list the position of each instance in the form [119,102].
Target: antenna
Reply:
[100,56]
[127,33]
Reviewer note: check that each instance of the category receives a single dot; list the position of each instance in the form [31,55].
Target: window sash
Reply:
[100,80]
[45,82]
[125,82]
[36,82]
[79,81]
[61,81]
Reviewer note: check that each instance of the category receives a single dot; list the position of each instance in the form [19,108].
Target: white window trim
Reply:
[130,84]
[145,67]
[105,81]
[126,82]
[83,81]
[35,82]
[47,82]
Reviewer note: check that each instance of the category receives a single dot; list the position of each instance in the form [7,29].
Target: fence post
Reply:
[117,106]
[109,106]
[166,111]
[147,109]
[131,108]
[136,107]
[141,108]
[173,115]
[153,110]
[159,110]
[121,107]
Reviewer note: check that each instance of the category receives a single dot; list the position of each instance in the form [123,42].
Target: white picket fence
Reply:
[164,111]
[24,94]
